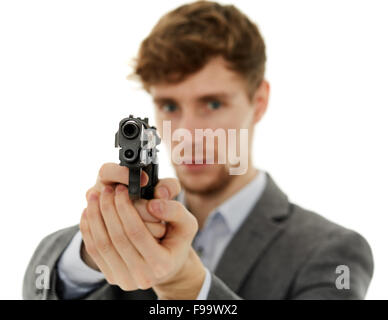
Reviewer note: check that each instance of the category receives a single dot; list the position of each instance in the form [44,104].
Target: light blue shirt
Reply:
[209,243]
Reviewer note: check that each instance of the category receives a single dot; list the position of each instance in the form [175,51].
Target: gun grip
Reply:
[134,183]
[147,192]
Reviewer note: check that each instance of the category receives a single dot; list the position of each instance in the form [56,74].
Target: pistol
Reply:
[137,141]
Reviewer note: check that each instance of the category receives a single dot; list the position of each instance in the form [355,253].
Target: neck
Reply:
[201,205]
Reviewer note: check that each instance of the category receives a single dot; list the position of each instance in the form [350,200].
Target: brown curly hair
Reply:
[184,40]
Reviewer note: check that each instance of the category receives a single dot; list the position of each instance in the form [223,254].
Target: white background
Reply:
[63,89]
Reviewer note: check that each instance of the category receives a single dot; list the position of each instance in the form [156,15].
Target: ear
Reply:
[260,100]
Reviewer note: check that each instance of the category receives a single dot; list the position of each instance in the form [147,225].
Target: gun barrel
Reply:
[130,129]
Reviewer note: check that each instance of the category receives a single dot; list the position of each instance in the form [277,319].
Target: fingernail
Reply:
[156,206]
[120,188]
[143,179]
[93,196]
[163,193]
[108,189]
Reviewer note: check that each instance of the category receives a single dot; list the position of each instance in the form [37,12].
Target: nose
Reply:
[191,121]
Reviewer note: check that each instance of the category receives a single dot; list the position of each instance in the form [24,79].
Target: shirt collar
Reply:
[235,209]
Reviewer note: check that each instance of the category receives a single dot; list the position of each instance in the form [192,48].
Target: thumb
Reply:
[183,223]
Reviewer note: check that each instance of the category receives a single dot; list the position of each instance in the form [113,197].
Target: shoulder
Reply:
[58,238]
[323,248]
[313,228]
[316,239]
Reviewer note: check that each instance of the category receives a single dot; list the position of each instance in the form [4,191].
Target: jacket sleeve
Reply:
[220,291]
[43,261]
[341,267]
[47,254]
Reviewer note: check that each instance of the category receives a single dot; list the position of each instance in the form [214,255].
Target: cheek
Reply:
[243,119]
[158,120]
[234,122]
[166,128]
[236,116]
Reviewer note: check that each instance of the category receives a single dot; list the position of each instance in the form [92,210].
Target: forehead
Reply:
[213,77]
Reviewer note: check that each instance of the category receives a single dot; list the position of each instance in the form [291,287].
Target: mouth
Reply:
[194,161]
[196,168]
[195,164]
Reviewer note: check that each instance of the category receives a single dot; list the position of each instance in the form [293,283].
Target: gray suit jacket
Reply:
[281,251]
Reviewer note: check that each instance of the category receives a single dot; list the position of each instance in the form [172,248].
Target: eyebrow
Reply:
[202,98]
[213,96]
[164,100]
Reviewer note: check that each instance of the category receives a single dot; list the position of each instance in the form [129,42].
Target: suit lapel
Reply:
[255,234]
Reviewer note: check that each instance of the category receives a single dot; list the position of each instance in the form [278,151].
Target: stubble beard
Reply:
[219,182]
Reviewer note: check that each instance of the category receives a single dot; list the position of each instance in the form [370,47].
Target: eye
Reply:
[169,107]
[214,105]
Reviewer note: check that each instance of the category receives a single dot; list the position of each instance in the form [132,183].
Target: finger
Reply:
[141,207]
[155,255]
[92,250]
[184,224]
[124,247]
[110,173]
[167,188]
[153,224]
[157,229]
[103,243]
[94,188]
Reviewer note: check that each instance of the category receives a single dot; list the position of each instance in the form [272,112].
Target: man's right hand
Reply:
[113,174]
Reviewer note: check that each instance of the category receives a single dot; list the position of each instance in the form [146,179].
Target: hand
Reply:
[127,253]
[112,174]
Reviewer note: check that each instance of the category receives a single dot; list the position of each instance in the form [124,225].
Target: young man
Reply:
[223,235]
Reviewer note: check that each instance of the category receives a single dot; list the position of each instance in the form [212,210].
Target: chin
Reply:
[206,179]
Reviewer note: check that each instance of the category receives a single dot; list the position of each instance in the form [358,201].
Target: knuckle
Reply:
[144,282]
[110,280]
[103,246]
[91,249]
[126,286]
[119,200]
[135,233]
[119,240]
[105,205]
[144,286]
[141,207]
[102,171]
[156,229]
[92,216]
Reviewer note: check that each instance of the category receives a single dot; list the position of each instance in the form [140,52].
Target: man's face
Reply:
[213,98]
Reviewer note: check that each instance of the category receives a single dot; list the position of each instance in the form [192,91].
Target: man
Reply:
[222,235]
